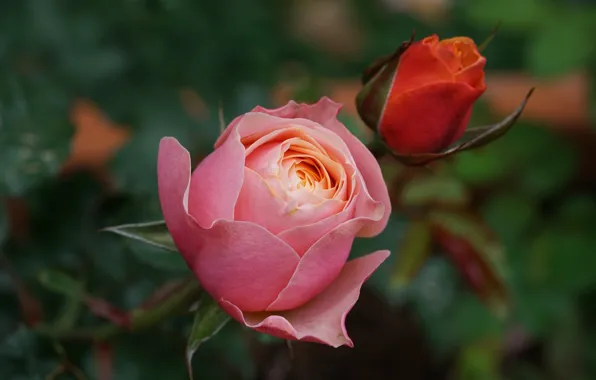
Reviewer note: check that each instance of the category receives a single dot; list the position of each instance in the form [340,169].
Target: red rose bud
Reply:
[420,99]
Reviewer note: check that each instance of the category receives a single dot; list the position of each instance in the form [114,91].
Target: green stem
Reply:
[139,319]
[377,147]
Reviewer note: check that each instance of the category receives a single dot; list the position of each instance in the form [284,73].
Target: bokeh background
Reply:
[493,270]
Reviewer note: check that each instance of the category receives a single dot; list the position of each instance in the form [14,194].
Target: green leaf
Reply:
[377,65]
[473,138]
[377,81]
[61,283]
[157,257]
[480,360]
[479,136]
[484,44]
[153,233]
[434,190]
[209,319]
[412,253]
[67,317]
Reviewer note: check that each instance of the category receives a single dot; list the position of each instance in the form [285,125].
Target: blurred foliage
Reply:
[520,212]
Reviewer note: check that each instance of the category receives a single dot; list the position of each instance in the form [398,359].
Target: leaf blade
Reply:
[209,319]
[153,233]
[484,44]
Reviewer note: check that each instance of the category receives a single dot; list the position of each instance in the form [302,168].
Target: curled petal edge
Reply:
[322,319]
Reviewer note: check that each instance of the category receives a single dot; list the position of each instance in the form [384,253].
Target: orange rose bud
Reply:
[420,99]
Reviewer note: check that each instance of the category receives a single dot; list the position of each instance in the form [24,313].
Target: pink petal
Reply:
[227,131]
[216,183]
[243,263]
[319,266]
[303,237]
[173,180]
[321,320]
[239,261]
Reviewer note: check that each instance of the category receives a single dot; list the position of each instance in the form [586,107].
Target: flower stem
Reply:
[140,318]
[377,147]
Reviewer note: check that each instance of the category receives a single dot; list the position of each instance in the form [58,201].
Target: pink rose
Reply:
[267,220]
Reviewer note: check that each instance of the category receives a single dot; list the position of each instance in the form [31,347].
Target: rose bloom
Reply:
[267,220]
[430,95]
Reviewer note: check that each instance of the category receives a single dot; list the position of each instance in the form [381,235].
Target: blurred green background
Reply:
[493,270]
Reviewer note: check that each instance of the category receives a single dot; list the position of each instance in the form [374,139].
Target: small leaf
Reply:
[152,233]
[62,283]
[434,190]
[69,314]
[473,138]
[484,44]
[378,64]
[209,319]
[480,136]
[413,251]
[481,360]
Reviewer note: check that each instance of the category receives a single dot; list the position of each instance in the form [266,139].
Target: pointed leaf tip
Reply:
[490,37]
[208,320]
[153,233]
[378,64]
[488,133]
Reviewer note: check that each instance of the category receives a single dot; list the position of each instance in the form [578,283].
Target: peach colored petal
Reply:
[287,130]
[322,319]
[259,204]
[305,116]
[361,206]
[325,113]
